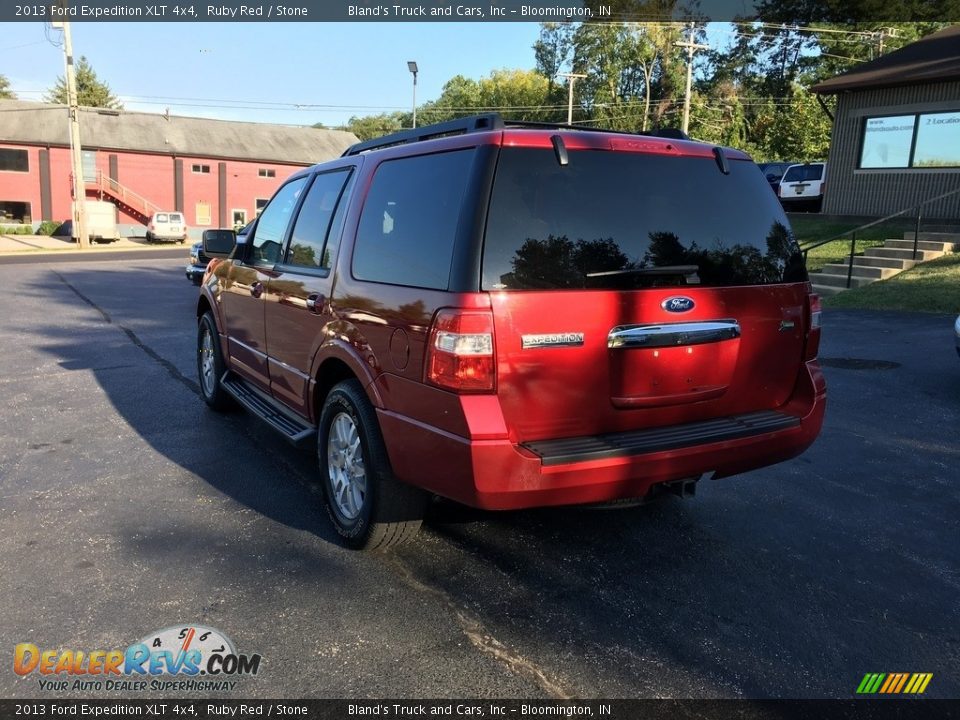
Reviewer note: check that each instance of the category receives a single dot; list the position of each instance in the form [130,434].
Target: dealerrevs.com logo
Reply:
[184,657]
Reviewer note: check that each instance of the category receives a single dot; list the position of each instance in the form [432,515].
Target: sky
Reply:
[290,73]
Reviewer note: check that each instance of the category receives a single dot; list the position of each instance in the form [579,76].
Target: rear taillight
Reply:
[460,352]
[814,320]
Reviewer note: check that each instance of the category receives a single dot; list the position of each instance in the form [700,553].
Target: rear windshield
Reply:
[176,218]
[801,173]
[611,220]
[160,217]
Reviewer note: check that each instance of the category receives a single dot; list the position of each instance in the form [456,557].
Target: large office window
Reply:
[921,140]
[938,140]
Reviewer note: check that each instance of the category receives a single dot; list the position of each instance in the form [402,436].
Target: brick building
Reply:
[218,173]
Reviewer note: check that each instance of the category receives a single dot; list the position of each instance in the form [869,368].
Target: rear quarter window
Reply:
[409,221]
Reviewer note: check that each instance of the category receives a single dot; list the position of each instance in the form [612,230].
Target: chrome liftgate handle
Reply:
[672,334]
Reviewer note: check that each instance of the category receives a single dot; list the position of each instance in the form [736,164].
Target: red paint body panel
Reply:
[500,475]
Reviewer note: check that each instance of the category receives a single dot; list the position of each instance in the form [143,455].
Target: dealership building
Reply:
[218,173]
[896,131]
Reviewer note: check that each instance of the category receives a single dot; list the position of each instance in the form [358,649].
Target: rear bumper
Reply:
[501,475]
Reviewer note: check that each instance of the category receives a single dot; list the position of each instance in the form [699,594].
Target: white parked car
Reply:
[167,227]
[803,186]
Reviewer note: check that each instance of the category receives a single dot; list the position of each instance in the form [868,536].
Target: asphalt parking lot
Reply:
[127,507]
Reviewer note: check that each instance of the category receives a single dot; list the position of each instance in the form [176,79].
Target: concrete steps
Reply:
[885,261]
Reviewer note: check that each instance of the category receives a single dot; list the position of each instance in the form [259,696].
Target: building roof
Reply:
[46,124]
[931,59]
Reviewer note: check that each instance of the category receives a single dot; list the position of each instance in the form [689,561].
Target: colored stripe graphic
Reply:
[903,679]
[894,683]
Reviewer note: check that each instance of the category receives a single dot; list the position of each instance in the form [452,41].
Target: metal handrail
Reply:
[125,194]
[853,233]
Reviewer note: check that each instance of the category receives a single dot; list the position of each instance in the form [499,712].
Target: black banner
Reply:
[189,11]
[892,709]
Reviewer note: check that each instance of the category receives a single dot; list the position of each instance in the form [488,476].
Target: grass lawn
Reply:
[811,228]
[933,286]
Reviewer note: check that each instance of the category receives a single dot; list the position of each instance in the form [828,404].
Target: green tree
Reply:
[460,96]
[5,92]
[552,52]
[374,126]
[91,91]
[517,94]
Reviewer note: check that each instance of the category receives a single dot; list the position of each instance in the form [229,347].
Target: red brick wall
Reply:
[151,176]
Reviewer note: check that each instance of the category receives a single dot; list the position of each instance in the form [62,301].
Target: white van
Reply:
[803,185]
[167,227]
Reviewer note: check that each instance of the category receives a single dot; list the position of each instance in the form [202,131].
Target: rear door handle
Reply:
[315,303]
[672,334]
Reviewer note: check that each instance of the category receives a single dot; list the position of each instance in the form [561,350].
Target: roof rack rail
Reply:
[483,123]
[460,126]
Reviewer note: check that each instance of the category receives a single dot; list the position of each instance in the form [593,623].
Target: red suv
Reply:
[515,316]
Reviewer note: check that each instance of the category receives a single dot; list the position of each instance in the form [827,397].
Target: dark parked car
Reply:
[199,261]
[515,317]
[773,172]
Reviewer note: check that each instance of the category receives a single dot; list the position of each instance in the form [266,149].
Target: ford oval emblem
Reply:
[677,304]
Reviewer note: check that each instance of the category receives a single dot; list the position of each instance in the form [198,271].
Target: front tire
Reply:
[369,508]
[210,365]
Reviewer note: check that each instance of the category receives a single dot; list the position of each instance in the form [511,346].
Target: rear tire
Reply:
[210,366]
[370,509]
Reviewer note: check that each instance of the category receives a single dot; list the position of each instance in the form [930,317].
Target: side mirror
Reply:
[219,243]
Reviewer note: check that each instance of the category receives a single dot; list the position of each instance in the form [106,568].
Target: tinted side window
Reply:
[309,246]
[273,222]
[623,220]
[409,220]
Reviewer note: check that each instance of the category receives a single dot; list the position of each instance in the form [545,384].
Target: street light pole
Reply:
[571,78]
[412,67]
[79,186]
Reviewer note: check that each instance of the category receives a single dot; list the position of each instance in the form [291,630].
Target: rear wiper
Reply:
[661,270]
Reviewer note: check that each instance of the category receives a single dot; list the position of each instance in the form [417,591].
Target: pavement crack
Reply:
[135,339]
[481,639]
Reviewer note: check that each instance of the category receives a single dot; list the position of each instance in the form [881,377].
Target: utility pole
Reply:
[79,185]
[691,46]
[571,78]
[883,34]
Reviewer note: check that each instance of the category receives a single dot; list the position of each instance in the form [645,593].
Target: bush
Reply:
[16,230]
[47,227]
